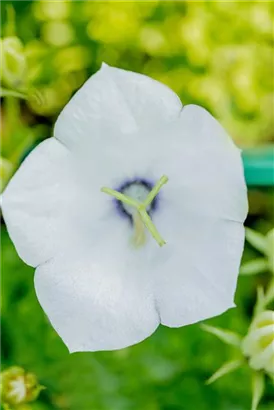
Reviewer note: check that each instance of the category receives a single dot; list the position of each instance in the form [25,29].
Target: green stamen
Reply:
[141,209]
[139,237]
[155,190]
[151,227]
[121,197]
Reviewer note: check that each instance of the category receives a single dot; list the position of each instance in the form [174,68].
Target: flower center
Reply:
[137,199]
[137,189]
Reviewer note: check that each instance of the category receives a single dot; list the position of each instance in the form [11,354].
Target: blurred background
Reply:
[215,54]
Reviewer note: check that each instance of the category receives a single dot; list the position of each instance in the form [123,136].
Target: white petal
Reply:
[149,100]
[200,215]
[96,299]
[34,202]
[115,101]
[262,359]
[204,166]
[199,278]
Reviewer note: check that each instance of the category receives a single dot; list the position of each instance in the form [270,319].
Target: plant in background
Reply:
[228,82]
[18,388]
[256,348]
[13,58]
[16,85]
[265,245]
[14,65]
[258,344]
[265,263]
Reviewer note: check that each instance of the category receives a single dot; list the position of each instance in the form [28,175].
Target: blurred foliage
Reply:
[216,54]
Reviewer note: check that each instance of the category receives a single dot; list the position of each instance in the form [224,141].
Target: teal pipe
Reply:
[259,166]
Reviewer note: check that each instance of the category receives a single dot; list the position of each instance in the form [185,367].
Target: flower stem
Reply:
[10,30]
[12,111]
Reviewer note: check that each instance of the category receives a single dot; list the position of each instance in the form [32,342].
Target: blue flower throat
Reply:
[138,189]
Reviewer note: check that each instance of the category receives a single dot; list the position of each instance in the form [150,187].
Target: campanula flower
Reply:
[132,213]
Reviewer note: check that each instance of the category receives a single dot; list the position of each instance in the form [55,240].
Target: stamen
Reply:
[142,215]
[121,197]
[151,227]
[155,190]
[139,237]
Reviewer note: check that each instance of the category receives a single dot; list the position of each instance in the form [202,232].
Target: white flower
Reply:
[124,131]
[258,345]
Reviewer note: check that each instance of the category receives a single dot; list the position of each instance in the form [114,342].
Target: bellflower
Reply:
[18,387]
[258,345]
[132,213]
[256,348]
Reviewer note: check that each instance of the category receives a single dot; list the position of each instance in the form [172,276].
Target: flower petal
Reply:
[96,299]
[199,278]
[206,167]
[115,101]
[34,202]
[200,215]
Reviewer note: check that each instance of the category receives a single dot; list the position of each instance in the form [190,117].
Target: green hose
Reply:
[259,166]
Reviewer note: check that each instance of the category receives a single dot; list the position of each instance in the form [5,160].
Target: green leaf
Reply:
[227,336]
[226,368]
[269,293]
[6,170]
[260,303]
[271,376]
[256,239]
[258,384]
[254,267]
[270,249]
[10,29]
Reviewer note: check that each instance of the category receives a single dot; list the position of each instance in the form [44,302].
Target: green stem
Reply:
[10,29]
[12,112]
[269,294]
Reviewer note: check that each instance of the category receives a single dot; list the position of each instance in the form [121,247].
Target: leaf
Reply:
[256,239]
[254,267]
[269,293]
[227,336]
[258,384]
[260,303]
[10,29]
[271,376]
[226,368]
[270,248]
